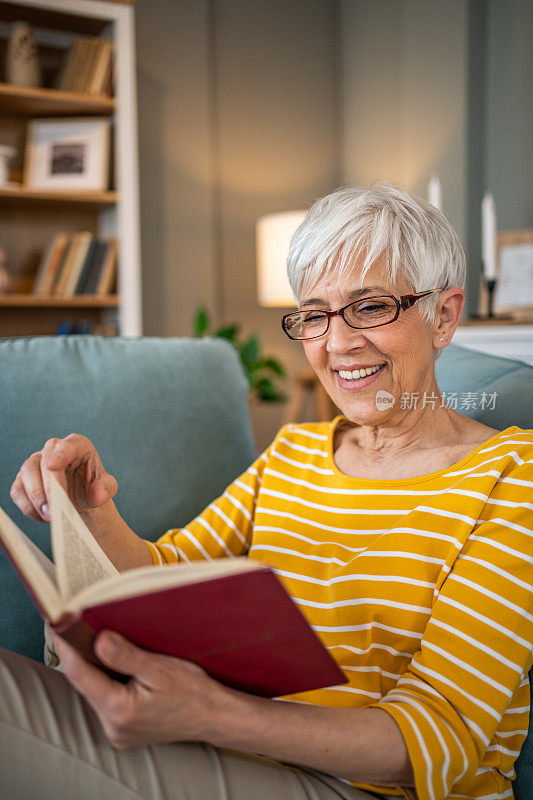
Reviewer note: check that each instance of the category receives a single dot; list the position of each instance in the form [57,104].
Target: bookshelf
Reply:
[29,218]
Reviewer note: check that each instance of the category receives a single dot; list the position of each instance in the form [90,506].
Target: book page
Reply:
[144,580]
[36,570]
[79,560]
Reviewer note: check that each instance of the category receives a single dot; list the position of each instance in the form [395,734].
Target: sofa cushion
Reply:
[462,371]
[169,418]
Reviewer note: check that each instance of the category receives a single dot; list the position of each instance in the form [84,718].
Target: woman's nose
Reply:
[340,337]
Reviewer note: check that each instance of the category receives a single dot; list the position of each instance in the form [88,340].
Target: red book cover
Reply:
[243,629]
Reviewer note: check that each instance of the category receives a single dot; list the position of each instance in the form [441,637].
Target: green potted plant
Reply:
[263,372]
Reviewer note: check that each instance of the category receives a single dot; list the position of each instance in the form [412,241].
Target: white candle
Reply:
[435,192]
[488,240]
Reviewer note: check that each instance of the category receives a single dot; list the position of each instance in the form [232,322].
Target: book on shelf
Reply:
[64,263]
[231,616]
[107,277]
[87,266]
[87,67]
[50,263]
[70,280]
[102,278]
[77,263]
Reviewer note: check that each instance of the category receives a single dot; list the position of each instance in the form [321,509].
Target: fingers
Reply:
[90,681]
[31,501]
[123,656]
[75,464]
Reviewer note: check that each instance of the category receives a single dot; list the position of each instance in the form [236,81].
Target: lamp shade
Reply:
[273,237]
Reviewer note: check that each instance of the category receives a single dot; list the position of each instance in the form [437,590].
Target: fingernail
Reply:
[45,512]
[111,644]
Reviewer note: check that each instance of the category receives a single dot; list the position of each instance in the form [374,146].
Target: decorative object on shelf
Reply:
[488,247]
[273,237]
[262,371]
[6,279]
[68,327]
[68,153]
[435,192]
[6,154]
[23,66]
[514,291]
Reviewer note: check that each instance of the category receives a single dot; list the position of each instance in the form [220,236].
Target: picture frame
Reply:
[514,290]
[513,296]
[67,153]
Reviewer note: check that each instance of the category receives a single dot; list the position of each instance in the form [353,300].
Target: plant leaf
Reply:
[201,322]
[266,390]
[274,365]
[229,332]
[249,351]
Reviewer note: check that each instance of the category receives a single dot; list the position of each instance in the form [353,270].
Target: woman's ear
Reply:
[447,315]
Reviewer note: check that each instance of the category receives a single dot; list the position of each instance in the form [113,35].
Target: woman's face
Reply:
[402,350]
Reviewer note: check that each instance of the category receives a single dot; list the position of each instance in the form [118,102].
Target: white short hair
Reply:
[360,225]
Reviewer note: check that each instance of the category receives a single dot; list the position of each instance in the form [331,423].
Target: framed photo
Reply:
[68,153]
[514,290]
[513,297]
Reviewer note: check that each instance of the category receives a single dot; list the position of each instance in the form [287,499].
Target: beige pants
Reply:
[52,748]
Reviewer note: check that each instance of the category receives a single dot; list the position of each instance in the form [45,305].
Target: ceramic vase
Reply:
[23,67]
[6,154]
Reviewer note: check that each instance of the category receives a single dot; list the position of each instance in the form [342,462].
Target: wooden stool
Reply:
[307,387]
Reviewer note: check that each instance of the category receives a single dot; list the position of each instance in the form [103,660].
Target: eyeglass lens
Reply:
[365,313]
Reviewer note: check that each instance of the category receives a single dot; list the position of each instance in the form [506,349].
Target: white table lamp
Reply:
[273,236]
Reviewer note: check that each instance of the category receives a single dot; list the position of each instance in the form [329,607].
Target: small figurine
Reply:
[6,278]
[7,153]
[23,67]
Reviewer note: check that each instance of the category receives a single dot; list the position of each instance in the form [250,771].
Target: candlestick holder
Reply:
[491,287]
[488,317]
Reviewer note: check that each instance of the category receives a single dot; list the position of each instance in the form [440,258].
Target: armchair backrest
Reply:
[169,418]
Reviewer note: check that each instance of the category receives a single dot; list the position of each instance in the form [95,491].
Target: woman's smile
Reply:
[353,380]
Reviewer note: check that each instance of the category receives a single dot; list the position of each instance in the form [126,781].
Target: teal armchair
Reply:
[170,420]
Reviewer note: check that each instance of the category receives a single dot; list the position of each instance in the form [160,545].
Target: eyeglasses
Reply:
[369,312]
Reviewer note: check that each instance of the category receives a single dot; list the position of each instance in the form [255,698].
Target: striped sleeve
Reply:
[475,652]
[222,530]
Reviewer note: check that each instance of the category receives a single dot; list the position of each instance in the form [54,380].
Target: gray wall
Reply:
[509,113]
[237,118]
[404,69]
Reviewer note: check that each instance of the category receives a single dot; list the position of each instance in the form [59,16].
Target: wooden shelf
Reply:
[30,217]
[31,102]
[53,19]
[23,194]
[52,301]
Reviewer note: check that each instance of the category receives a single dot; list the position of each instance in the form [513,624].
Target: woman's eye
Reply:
[369,308]
[310,318]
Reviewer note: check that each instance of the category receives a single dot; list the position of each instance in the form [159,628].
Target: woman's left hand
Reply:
[167,699]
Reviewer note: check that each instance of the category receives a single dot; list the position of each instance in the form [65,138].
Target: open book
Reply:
[231,616]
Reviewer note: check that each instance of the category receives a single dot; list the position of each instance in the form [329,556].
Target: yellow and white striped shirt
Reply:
[421,589]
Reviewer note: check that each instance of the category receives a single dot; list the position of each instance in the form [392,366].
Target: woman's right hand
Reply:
[77,466]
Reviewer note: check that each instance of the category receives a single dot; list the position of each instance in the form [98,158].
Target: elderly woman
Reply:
[399,528]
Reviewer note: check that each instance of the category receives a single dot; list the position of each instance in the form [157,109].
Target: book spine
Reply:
[53,266]
[85,239]
[61,264]
[59,286]
[86,267]
[106,278]
[44,266]
[96,267]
